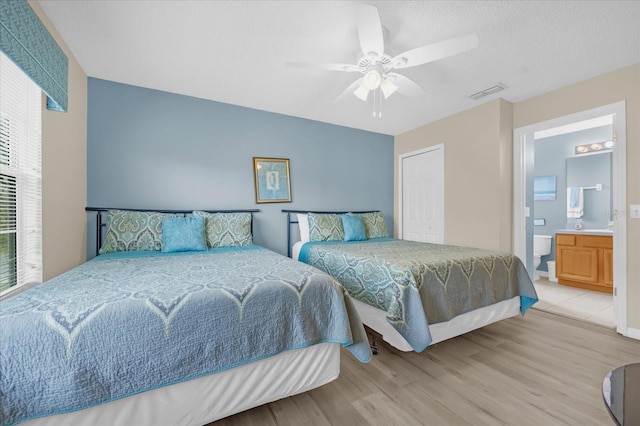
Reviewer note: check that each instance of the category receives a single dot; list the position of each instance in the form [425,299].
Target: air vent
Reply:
[489,91]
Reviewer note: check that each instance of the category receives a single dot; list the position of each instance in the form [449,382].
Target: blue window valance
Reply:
[27,42]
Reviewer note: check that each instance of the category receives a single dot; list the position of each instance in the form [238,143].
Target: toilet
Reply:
[541,247]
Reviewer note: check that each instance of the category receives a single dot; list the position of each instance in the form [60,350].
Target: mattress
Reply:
[130,324]
[206,399]
[378,319]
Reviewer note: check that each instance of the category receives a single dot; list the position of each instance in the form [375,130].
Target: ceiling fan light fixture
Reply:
[376,68]
[388,88]
[362,92]
[372,79]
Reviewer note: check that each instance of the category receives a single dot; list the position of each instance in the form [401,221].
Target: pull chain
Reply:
[376,93]
[374,103]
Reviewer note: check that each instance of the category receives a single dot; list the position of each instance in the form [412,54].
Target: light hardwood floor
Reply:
[542,369]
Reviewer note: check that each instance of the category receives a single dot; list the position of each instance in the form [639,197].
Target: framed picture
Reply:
[544,188]
[272,180]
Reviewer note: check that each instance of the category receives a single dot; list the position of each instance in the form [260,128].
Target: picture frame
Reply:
[272,181]
[544,188]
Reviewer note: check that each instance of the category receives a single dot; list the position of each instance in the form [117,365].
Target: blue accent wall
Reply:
[159,150]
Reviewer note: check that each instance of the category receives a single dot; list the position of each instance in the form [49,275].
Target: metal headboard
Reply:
[294,219]
[101,210]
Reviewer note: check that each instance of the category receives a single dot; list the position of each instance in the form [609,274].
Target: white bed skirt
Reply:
[209,398]
[376,319]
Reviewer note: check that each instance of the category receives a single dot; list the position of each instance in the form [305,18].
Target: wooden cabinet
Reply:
[585,261]
[608,266]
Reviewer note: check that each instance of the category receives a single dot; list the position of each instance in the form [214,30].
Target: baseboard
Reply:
[634,333]
[545,274]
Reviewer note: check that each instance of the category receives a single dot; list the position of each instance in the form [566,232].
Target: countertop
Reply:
[585,231]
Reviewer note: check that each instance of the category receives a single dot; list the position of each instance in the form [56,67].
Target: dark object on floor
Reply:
[621,393]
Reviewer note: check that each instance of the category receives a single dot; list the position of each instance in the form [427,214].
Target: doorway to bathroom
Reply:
[556,166]
[572,195]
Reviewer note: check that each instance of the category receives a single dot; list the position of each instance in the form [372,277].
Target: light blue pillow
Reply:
[353,228]
[183,234]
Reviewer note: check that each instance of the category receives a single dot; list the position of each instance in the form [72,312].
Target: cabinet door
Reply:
[607,263]
[577,263]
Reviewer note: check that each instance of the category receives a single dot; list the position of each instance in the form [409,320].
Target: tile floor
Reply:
[589,306]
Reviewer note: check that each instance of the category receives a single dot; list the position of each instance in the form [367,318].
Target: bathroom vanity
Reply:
[584,259]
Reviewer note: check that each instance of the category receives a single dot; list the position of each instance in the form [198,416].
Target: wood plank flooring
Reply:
[542,369]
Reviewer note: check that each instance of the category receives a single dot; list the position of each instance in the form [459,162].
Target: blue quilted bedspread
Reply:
[125,323]
[418,284]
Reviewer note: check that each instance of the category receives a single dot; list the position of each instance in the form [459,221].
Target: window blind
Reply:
[20,178]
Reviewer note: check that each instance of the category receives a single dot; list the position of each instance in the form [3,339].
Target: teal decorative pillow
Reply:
[325,227]
[375,225]
[353,228]
[183,234]
[133,231]
[227,229]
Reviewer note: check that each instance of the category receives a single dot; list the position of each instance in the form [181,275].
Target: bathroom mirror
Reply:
[588,172]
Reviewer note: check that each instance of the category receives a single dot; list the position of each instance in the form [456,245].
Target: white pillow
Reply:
[303,224]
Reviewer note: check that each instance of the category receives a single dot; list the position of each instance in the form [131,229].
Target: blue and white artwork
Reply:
[544,188]
[272,180]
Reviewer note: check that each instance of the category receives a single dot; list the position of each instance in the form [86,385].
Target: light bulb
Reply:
[387,88]
[371,80]
[362,92]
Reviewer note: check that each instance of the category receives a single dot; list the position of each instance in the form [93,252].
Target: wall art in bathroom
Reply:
[544,188]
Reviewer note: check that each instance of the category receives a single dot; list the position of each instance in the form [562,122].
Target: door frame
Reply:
[522,140]
[401,157]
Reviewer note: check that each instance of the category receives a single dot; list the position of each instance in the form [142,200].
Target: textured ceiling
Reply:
[235,51]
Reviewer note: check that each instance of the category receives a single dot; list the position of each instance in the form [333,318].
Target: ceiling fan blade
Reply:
[348,91]
[318,65]
[369,29]
[435,51]
[406,86]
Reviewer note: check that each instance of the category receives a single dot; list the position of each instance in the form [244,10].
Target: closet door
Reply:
[422,195]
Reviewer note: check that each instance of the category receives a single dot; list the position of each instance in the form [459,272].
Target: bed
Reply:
[411,294]
[171,335]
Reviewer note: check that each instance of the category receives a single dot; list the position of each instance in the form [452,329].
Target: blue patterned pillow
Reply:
[375,225]
[183,234]
[353,228]
[133,231]
[325,227]
[227,229]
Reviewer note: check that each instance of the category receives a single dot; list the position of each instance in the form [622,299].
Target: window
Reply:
[20,178]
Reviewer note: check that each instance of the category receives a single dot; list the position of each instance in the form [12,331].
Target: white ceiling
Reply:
[235,51]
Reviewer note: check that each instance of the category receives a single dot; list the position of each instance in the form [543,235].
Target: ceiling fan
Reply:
[377,67]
